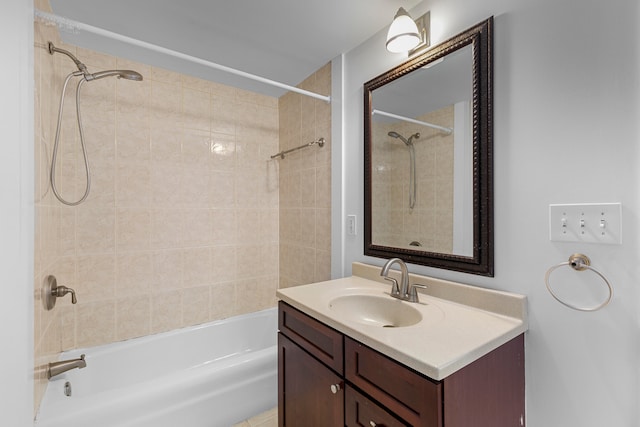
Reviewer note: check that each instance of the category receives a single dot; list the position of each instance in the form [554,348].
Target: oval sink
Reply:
[373,310]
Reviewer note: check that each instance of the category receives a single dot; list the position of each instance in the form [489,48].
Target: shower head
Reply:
[393,134]
[121,74]
[407,142]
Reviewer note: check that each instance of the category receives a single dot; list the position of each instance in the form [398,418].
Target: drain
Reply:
[67,389]
[388,326]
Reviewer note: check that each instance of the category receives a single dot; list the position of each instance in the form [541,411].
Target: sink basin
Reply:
[373,310]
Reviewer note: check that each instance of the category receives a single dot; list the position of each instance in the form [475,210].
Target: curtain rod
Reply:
[65,23]
[446,130]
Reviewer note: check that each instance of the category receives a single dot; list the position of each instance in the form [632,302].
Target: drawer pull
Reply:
[373,424]
[335,388]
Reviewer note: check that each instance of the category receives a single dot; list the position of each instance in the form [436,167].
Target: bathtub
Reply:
[216,374]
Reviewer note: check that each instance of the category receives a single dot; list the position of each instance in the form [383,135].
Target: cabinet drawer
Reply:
[318,339]
[360,411]
[413,397]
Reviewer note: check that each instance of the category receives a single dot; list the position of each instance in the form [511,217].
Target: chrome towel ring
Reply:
[578,262]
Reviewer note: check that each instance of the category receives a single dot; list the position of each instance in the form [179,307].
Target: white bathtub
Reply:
[210,375]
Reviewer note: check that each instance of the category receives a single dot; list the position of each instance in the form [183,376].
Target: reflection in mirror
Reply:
[421,147]
[427,157]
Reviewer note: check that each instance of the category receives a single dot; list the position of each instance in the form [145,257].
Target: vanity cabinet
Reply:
[328,379]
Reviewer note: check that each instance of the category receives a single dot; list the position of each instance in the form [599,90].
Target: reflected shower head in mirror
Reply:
[412,164]
[407,142]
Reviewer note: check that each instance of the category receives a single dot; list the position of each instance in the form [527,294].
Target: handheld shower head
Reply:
[121,74]
[406,141]
[412,164]
[393,134]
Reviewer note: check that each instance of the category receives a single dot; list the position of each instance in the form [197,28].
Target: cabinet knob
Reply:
[373,424]
[335,388]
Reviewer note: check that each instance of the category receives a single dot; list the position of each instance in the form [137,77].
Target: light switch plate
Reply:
[586,222]
[351,225]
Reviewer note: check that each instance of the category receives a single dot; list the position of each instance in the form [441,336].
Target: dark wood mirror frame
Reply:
[480,37]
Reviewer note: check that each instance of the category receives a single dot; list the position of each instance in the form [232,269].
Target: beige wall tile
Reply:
[305,185]
[223,300]
[224,264]
[222,151]
[195,305]
[198,229]
[224,226]
[196,108]
[166,311]
[190,82]
[133,229]
[167,268]
[166,228]
[95,230]
[133,182]
[166,146]
[96,275]
[166,76]
[222,189]
[95,323]
[133,273]
[197,267]
[133,317]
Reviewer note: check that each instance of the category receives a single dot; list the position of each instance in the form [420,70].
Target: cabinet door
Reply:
[305,393]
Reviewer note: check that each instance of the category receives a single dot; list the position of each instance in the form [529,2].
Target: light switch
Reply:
[351,225]
[586,222]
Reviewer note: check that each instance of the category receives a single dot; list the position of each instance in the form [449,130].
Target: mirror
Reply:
[428,157]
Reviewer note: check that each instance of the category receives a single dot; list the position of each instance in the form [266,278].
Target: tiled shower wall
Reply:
[305,184]
[181,225]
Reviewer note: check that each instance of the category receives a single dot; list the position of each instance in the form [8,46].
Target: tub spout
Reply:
[57,368]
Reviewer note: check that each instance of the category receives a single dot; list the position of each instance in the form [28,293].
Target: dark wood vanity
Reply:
[328,379]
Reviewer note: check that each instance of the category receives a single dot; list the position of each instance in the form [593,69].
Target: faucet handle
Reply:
[61,291]
[413,292]
[395,289]
[51,291]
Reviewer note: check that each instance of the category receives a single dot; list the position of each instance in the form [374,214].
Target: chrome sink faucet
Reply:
[404,291]
[57,368]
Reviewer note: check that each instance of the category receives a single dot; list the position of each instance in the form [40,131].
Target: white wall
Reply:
[16,213]
[566,108]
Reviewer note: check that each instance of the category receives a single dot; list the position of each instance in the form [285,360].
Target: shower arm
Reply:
[52,49]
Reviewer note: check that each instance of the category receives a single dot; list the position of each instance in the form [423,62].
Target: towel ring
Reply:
[578,262]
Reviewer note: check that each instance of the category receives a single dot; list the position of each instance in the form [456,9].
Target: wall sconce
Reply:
[407,35]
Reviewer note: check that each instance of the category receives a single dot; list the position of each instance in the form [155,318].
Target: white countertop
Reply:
[460,323]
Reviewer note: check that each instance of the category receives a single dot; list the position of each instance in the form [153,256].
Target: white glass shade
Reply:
[403,33]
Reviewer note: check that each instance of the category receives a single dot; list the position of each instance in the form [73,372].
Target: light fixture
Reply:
[403,34]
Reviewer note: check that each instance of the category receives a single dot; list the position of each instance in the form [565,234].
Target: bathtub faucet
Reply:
[57,368]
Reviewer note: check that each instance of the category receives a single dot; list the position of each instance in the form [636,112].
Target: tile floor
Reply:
[266,419]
